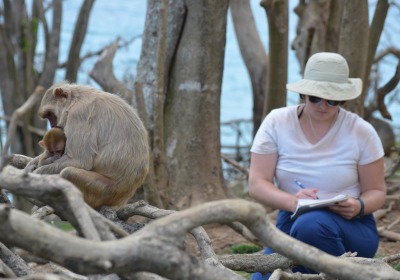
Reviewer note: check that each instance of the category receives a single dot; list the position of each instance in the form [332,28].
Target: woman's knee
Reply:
[314,226]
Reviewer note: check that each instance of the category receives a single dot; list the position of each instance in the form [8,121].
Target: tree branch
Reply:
[164,236]
[52,190]
[385,90]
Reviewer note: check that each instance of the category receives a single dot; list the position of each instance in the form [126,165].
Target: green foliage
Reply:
[239,190]
[35,26]
[65,226]
[397,267]
[244,249]
[245,275]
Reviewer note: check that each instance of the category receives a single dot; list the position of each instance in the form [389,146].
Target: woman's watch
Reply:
[361,213]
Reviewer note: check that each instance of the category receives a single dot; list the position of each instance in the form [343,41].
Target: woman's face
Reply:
[322,109]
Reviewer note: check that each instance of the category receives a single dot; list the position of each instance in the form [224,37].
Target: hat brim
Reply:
[327,90]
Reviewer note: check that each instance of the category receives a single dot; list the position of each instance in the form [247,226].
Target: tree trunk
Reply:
[192,114]
[151,86]
[355,50]
[253,53]
[375,33]
[277,13]
[81,25]
[317,29]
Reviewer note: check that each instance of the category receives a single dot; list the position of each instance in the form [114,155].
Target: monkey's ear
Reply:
[41,144]
[58,92]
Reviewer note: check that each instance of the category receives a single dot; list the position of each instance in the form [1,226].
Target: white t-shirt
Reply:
[330,164]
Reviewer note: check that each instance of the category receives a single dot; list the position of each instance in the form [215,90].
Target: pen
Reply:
[300,184]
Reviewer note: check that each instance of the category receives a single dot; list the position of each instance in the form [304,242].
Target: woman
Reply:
[317,150]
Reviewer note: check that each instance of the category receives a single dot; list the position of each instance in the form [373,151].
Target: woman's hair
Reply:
[303,97]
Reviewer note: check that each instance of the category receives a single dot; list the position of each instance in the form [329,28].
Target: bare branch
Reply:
[14,262]
[148,250]
[165,236]
[77,40]
[145,210]
[235,164]
[385,90]
[103,73]
[256,262]
[5,270]
[21,111]
[52,190]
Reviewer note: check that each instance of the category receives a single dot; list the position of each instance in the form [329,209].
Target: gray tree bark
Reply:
[253,53]
[192,113]
[278,20]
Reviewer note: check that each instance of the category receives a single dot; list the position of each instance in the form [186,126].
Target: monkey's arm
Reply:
[32,165]
[80,146]
[58,165]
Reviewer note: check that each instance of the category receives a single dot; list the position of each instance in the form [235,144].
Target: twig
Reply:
[235,164]
[28,105]
[385,90]
[37,131]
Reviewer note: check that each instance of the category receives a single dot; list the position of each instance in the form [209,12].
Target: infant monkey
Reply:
[53,144]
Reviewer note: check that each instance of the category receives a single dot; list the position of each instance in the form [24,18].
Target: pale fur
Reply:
[106,155]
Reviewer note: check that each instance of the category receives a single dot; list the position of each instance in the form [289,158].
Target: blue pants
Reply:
[330,233]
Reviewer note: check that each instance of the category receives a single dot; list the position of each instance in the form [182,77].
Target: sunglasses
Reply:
[316,100]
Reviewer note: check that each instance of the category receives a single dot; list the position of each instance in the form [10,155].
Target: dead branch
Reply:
[385,90]
[382,212]
[35,130]
[236,165]
[393,197]
[391,235]
[42,212]
[164,237]
[244,231]
[390,165]
[105,224]
[52,190]
[5,270]
[42,276]
[14,262]
[153,251]
[269,263]
[146,210]
[385,52]
[256,262]
[21,111]
[19,161]
[391,258]
[103,73]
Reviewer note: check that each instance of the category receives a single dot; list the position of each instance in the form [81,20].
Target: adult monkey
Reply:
[107,154]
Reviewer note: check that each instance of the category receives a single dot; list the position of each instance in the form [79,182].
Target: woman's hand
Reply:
[307,194]
[348,208]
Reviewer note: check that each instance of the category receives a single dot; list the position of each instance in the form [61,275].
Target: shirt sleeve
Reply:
[265,141]
[371,145]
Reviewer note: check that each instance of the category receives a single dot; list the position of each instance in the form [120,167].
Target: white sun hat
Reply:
[327,76]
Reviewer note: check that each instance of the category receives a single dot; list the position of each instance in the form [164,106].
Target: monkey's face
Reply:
[53,104]
[53,141]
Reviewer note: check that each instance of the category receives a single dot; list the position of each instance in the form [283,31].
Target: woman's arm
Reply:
[261,187]
[373,191]
[373,187]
